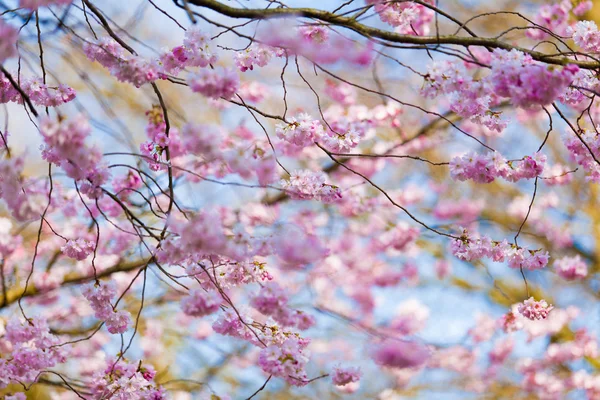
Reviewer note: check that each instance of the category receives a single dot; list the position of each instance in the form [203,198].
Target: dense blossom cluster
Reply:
[409,18]
[584,148]
[485,168]
[585,35]
[125,380]
[35,4]
[78,249]
[535,310]
[307,185]
[22,196]
[528,83]
[8,41]
[555,18]
[472,248]
[287,360]
[65,147]
[100,297]
[38,92]
[31,349]
[215,83]
[401,354]
[200,303]
[571,268]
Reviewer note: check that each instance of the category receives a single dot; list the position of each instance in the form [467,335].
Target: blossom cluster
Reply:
[124,380]
[584,148]
[31,349]
[307,185]
[38,92]
[100,297]
[215,83]
[65,147]
[409,18]
[485,168]
[469,248]
[401,354]
[555,18]
[78,249]
[35,4]
[585,35]
[23,197]
[287,360]
[313,43]
[571,268]
[196,51]
[526,82]
[535,310]
[272,300]
[8,41]
[200,303]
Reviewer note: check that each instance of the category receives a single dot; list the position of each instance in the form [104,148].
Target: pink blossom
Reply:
[286,361]
[484,328]
[215,83]
[35,4]
[583,7]
[8,41]
[78,249]
[400,354]
[408,18]
[200,303]
[301,131]
[571,268]
[411,317]
[487,167]
[343,376]
[535,310]
[118,322]
[257,54]
[501,350]
[296,248]
[585,35]
[307,185]
[525,82]
[270,300]
[553,17]
[124,66]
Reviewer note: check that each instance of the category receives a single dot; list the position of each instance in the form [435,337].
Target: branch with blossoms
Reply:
[205,199]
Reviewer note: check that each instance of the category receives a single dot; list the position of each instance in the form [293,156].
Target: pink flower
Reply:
[585,35]
[257,54]
[525,82]
[35,4]
[571,268]
[78,249]
[343,376]
[270,300]
[8,41]
[215,83]
[583,7]
[301,131]
[296,248]
[400,354]
[286,360]
[535,310]
[118,322]
[511,322]
[307,185]
[200,303]
[501,350]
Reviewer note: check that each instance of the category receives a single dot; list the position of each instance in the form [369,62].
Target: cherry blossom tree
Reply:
[382,199]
